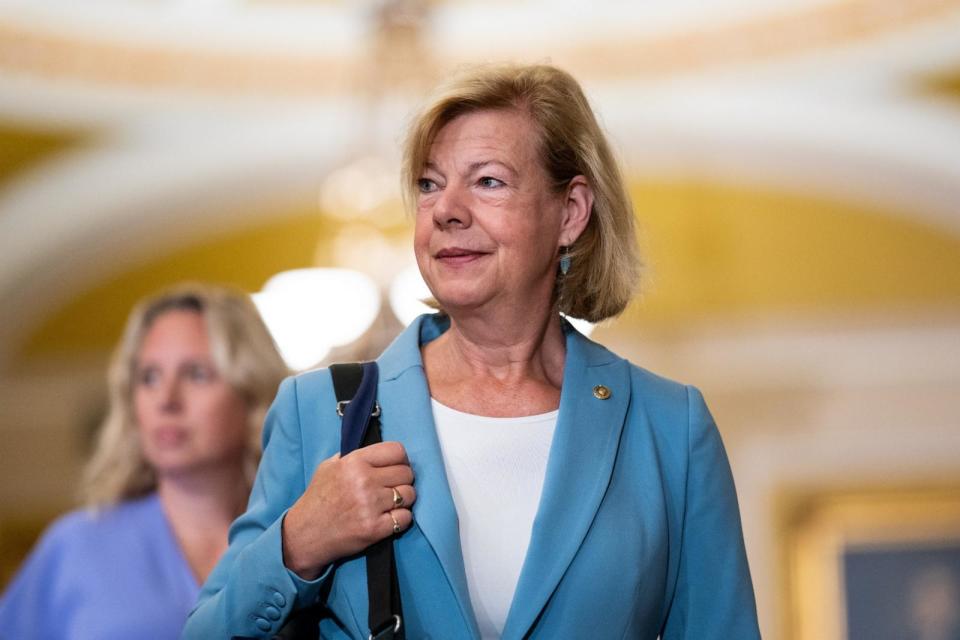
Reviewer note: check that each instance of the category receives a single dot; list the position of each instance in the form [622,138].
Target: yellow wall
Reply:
[24,148]
[716,249]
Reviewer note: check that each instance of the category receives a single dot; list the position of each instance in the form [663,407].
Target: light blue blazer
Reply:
[637,533]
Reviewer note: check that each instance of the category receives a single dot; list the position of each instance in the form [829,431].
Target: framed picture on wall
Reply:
[872,565]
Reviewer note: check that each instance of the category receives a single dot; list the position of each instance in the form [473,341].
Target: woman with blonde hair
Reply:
[531,483]
[189,385]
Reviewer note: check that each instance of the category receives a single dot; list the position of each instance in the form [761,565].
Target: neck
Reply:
[521,346]
[200,506]
[205,497]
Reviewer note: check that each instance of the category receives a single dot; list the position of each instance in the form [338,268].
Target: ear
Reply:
[577,207]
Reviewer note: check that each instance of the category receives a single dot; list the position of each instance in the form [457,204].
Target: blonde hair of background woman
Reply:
[243,353]
[605,263]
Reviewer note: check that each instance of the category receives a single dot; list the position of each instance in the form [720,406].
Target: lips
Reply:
[169,436]
[458,255]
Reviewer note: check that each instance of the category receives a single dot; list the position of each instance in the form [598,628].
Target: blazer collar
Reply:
[404,352]
[579,466]
[408,417]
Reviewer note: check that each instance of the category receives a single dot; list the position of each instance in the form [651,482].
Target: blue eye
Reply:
[426,185]
[490,183]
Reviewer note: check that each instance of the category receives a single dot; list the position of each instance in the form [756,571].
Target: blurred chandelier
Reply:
[311,311]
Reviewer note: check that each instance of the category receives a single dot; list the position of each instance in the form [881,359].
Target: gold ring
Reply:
[396,525]
[397,498]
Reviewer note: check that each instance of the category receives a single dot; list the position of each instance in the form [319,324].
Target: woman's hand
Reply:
[349,504]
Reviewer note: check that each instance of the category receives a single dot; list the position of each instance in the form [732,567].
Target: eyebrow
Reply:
[473,167]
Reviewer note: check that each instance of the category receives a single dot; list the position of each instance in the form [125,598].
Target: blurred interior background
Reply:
[795,167]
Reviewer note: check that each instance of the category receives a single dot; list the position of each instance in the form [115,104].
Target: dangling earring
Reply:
[564,268]
[565,260]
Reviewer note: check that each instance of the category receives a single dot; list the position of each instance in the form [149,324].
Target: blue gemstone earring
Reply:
[565,260]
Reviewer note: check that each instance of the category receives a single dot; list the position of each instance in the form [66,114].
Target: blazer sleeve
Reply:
[250,592]
[713,598]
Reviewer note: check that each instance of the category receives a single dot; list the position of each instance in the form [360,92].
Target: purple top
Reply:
[111,575]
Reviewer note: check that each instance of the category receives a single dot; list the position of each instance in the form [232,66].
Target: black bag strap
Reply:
[355,386]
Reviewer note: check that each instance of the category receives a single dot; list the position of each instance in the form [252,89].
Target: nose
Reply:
[170,397]
[451,209]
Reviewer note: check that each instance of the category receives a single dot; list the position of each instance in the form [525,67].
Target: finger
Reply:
[407,496]
[382,454]
[392,476]
[396,521]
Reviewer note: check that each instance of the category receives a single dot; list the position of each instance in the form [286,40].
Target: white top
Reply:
[496,468]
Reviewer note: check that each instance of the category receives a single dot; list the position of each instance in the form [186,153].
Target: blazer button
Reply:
[279,600]
[262,624]
[601,392]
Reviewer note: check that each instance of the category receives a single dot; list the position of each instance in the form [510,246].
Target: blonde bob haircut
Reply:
[605,265]
[243,353]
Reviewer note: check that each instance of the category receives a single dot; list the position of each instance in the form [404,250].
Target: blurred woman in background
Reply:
[189,385]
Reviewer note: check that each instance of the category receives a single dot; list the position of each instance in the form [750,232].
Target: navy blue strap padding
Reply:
[356,415]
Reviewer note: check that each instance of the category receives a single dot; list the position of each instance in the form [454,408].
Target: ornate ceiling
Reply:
[132,129]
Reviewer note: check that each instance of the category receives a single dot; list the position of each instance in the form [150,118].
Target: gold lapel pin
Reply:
[601,392]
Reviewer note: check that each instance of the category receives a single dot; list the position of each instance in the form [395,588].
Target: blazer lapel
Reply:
[408,418]
[581,461]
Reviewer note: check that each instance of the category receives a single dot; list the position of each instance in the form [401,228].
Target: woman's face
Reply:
[489,225]
[189,417]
